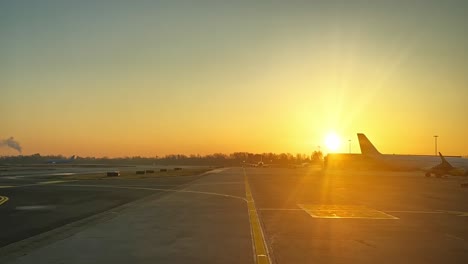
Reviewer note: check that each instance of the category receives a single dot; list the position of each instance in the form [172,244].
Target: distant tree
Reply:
[317,156]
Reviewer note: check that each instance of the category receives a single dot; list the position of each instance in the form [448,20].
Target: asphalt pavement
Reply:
[237,215]
[38,202]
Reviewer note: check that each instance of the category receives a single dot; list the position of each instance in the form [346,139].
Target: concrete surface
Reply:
[304,215]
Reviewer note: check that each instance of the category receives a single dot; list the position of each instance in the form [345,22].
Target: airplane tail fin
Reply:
[367,148]
[445,163]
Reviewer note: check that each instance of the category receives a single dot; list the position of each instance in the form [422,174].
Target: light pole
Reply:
[435,144]
[349,146]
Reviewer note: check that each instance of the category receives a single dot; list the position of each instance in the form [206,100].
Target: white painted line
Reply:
[35,207]
[454,237]
[152,189]
[63,174]
[54,182]
[218,183]
[216,171]
[457,213]
[280,209]
[416,212]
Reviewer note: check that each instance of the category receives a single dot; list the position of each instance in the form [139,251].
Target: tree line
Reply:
[220,159]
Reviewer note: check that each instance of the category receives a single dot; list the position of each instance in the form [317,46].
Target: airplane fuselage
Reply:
[416,162]
[438,165]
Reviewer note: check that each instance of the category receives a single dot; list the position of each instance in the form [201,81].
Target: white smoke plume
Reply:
[11,143]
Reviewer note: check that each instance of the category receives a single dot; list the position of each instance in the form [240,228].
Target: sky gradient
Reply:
[125,78]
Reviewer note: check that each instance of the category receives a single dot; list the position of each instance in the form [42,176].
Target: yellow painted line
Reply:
[258,238]
[3,199]
[6,186]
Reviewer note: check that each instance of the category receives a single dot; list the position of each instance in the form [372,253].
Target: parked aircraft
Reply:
[445,168]
[61,161]
[436,165]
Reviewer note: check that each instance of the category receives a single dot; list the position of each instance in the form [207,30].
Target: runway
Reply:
[237,215]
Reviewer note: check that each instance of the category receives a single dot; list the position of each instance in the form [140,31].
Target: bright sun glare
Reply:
[332,141]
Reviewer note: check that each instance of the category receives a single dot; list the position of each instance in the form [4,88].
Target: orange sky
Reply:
[152,79]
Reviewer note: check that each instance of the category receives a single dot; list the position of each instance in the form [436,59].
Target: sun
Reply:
[332,141]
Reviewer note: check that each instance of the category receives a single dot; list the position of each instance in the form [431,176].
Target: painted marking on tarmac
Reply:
[64,174]
[457,213]
[344,211]
[280,209]
[218,183]
[52,182]
[416,212]
[216,171]
[35,207]
[258,237]
[36,184]
[454,237]
[454,213]
[153,189]
[3,199]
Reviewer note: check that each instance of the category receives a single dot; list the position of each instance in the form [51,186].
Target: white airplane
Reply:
[436,165]
[260,164]
[61,161]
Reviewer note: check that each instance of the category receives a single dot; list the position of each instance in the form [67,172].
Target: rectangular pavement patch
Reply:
[343,211]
